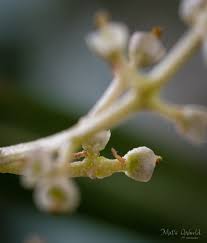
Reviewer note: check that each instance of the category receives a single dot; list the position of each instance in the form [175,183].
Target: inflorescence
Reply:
[49,164]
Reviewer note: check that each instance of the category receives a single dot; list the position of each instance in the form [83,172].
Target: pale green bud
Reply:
[38,163]
[140,163]
[192,123]
[56,195]
[145,48]
[109,39]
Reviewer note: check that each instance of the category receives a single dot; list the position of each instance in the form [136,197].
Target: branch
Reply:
[101,167]
[113,115]
[116,88]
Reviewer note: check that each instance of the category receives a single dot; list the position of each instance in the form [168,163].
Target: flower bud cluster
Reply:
[52,192]
[145,48]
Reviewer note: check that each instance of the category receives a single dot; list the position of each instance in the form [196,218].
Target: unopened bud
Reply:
[56,195]
[145,48]
[108,40]
[140,163]
[190,9]
[38,163]
[193,123]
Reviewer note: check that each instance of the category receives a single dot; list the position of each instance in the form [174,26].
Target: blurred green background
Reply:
[48,79]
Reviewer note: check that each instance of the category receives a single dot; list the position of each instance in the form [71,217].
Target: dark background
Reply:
[48,78]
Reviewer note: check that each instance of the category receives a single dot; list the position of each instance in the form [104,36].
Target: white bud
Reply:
[97,142]
[190,9]
[145,48]
[39,162]
[140,163]
[56,195]
[109,39]
[193,123]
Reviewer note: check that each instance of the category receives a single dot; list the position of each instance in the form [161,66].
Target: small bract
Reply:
[97,142]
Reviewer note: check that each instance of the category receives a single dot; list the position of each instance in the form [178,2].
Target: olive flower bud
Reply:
[97,142]
[190,9]
[145,48]
[39,162]
[193,123]
[56,195]
[108,40]
[140,163]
